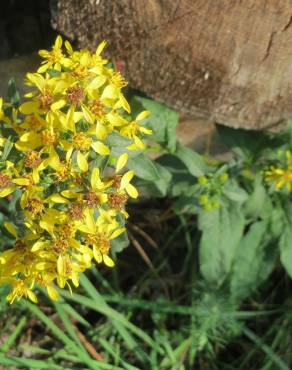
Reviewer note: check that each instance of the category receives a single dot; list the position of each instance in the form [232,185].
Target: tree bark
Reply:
[229,61]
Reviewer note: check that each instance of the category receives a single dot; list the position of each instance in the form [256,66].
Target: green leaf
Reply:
[124,327]
[7,149]
[222,230]
[185,204]
[53,72]
[242,142]
[118,145]
[13,336]
[12,93]
[60,334]
[254,204]
[143,167]
[248,267]
[192,160]
[286,249]
[266,349]
[120,243]
[162,121]
[232,191]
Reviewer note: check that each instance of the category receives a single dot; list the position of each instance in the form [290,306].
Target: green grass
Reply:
[160,317]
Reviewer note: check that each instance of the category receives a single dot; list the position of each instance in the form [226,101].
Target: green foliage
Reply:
[241,204]
[227,227]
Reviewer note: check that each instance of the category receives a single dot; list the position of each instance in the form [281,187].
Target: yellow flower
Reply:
[281,175]
[73,189]
[54,58]
[133,129]
[20,289]
[47,97]
[99,233]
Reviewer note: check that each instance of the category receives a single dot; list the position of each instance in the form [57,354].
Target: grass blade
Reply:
[265,348]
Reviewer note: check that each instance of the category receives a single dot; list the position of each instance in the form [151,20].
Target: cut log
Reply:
[228,61]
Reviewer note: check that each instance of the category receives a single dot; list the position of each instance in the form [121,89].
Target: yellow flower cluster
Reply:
[72,189]
[281,175]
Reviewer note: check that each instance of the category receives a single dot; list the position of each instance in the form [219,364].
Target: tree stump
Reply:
[228,61]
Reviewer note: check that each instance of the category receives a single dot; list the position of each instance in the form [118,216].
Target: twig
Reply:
[144,235]
[148,262]
[88,346]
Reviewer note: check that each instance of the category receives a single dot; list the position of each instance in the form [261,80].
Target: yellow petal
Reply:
[5,192]
[61,265]
[35,176]
[127,177]
[38,245]
[36,79]
[68,47]
[108,261]
[143,115]
[82,162]
[87,114]
[100,47]
[100,148]
[47,226]
[69,194]
[58,42]
[57,198]
[85,59]
[110,92]
[44,67]
[146,131]
[61,282]
[32,296]
[89,220]
[10,227]
[28,107]
[52,293]
[97,255]
[132,191]
[75,279]
[124,103]
[95,178]
[116,120]
[21,181]
[117,232]
[58,104]
[69,122]
[29,136]
[97,82]
[101,131]
[121,162]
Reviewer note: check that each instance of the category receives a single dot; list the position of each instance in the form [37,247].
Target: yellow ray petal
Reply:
[121,162]
[82,162]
